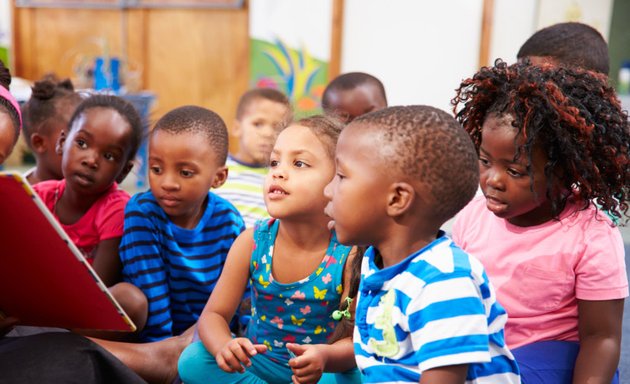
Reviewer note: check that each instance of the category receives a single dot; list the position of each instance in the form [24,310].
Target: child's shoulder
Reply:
[444,260]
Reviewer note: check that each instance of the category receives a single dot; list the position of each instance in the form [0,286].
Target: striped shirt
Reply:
[176,268]
[244,189]
[433,309]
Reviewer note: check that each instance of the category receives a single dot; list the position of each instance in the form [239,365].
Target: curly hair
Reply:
[573,115]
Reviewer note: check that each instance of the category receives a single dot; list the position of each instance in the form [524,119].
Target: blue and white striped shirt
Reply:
[435,308]
[176,268]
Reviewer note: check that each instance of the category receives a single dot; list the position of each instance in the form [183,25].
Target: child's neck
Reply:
[397,247]
[71,205]
[306,235]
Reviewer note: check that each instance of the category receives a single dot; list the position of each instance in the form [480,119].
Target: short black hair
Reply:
[46,99]
[199,121]
[348,81]
[573,115]
[262,93]
[124,109]
[429,146]
[571,44]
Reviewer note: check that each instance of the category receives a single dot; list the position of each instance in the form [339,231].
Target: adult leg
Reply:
[60,357]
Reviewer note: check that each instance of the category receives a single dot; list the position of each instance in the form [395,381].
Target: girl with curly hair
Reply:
[553,149]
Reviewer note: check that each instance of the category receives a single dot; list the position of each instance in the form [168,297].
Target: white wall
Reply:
[419,49]
[514,23]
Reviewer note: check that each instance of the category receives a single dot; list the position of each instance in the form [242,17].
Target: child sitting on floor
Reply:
[552,143]
[261,114]
[426,311]
[297,271]
[46,115]
[177,234]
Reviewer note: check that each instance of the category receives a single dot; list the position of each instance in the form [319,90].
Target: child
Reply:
[261,114]
[567,44]
[46,115]
[296,269]
[10,115]
[353,94]
[426,311]
[177,234]
[551,142]
[103,137]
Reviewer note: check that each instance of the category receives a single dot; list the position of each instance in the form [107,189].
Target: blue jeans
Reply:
[549,362]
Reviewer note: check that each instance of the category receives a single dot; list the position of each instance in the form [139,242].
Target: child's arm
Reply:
[231,354]
[600,340]
[452,374]
[107,262]
[312,360]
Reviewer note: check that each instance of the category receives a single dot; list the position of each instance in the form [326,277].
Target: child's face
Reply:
[358,192]
[258,129]
[49,158]
[300,167]
[7,136]
[351,103]
[505,181]
[96,150]
[182,169]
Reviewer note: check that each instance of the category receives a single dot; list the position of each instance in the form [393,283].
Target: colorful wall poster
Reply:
[290,42]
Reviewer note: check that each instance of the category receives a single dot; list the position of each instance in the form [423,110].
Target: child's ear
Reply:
[38,143]
[60,142]
[401,197]
[125,171]
[220,177]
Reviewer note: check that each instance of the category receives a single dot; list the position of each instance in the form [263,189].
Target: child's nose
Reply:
[90,160]
[279,172]
[495,180]
[169,183]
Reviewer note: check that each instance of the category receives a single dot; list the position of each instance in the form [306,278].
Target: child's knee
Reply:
[194,363]
[133,301]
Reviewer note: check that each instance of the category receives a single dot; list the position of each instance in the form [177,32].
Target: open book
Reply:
[44,278]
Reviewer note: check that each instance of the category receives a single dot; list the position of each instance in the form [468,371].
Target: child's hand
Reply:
[235,354]
[309,363]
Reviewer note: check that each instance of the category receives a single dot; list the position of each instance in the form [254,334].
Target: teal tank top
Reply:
[298,312]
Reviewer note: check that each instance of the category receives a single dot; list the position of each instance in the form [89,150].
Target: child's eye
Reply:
[514,173]
[300,164]
[273,163]
[109,156]
[81,143]
[484,161]
[340,176]
[186,173]
[156,170]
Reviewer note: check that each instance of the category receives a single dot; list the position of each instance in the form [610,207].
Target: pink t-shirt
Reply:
[104,220]
[539,272]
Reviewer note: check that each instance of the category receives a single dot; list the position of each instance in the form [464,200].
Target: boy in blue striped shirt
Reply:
[177,235]
[426,311]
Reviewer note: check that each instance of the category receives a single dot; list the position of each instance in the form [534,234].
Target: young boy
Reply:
[261,114]
[426,310]
[568,44]
[177,235]
[353,94]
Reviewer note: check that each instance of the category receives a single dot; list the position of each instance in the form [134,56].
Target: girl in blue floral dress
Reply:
[298,273]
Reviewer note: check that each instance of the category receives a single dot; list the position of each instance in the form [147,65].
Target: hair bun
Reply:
[44,89]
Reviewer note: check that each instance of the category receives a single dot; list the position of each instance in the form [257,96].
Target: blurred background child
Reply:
[297,272]
[10,115]
[552,142]
[46,115]
[353,94]
[177,234]
[426,310]
[569,45]
[260,115]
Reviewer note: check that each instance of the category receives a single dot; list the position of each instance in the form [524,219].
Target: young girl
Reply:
[46,115]
[553,147]
[10,116]
[98,151]
[297,271]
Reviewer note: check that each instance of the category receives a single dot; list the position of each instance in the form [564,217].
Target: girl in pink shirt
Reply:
[554,164]
[98,150]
